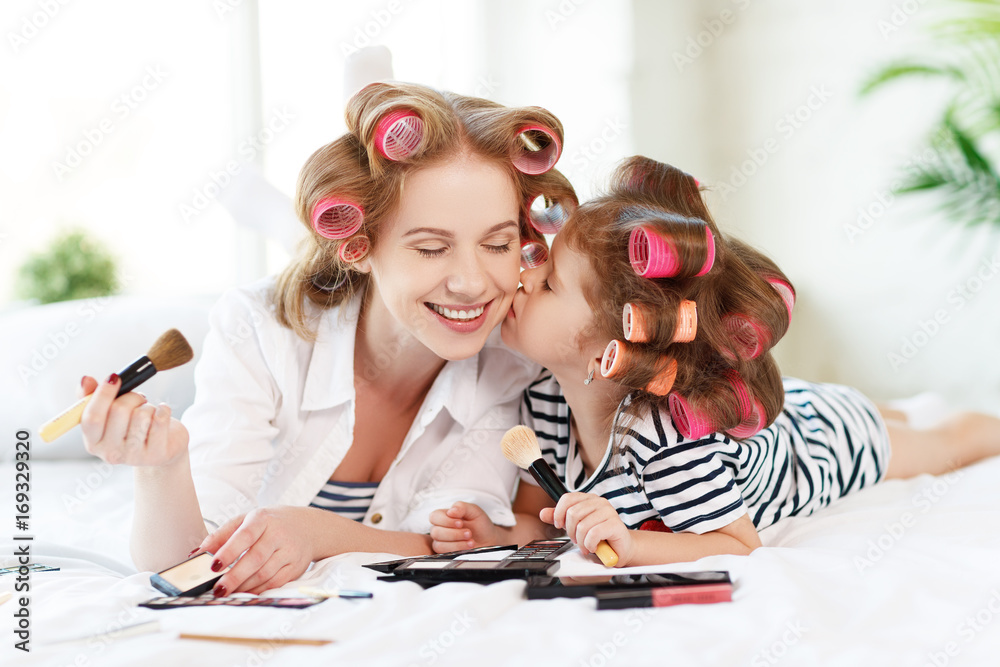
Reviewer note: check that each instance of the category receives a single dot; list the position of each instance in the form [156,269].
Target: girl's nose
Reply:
[530,278]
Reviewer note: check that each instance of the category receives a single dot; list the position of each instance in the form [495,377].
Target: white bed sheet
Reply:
[905,573]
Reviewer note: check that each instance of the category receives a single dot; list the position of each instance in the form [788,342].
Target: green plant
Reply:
[963,166]
[74,266]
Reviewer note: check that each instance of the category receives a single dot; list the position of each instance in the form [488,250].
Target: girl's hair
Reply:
[717,375]
[355,169]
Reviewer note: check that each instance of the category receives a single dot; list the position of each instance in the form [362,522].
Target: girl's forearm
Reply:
[167,523]
[656,548]
[528,527]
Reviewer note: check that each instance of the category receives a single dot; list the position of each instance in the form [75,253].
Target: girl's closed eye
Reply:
[545,285]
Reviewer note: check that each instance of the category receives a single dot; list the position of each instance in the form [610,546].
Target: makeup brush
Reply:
[521,448]
[169,351]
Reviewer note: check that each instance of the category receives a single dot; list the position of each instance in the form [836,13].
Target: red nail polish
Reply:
[192,552]
[216,565]
[82,381]
[113,378]
[219,591]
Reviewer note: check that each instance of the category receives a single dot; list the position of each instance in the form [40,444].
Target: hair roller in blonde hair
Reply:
[655,256]
[398,134]
[354,249]
[335,218]
[638,324]
[546,215]
[535,150]
[749,339]
[533,254]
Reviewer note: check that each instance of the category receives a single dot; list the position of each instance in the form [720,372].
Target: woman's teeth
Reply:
[457,314]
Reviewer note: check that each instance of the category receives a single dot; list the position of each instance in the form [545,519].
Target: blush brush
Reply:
[520,446]
[169,351]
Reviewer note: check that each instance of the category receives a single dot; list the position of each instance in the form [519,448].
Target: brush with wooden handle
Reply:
[169,351]
[521,448]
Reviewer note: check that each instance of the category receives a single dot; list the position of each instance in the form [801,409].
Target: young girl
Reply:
[681,424]
[339,403]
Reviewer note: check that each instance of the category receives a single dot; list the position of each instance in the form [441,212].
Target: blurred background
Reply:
[148,149]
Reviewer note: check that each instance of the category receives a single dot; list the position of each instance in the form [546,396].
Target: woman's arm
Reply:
[279,543]
[589,518]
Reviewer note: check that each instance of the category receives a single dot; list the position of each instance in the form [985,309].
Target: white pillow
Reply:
[47,349]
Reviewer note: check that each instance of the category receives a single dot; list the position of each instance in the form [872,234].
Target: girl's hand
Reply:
[462,526]
[275,545]
[589,518]
[127,429]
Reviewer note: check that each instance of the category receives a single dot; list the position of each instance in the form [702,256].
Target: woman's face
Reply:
[446,263]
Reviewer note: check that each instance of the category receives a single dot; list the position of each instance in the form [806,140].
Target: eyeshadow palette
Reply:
[534,558]
[177,602]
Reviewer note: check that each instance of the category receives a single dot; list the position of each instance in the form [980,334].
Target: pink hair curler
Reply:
[664,380]
[334,218]
[398,134]
[354,249]
[742,394]
[536,149]
[634,323]
[750,426]
[786,293]
[691,423]
[533,254]
[547,219]
[687,322]
[654,256]
[748,337]
[710,256]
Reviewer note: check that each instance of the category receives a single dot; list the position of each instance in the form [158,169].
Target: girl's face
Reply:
[550,314]
[446,263]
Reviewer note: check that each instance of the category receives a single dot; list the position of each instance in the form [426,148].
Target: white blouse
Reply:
[273,417]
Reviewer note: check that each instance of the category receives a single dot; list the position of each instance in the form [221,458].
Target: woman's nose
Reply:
[467,277]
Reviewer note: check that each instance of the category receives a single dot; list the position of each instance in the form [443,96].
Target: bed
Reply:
[904,573]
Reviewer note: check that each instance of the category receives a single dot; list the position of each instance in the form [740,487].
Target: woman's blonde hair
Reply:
[354,169]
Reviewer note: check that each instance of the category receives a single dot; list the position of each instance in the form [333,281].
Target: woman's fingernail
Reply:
[194,551]
[83,382]
[113,378]
[216,565]
[219,591]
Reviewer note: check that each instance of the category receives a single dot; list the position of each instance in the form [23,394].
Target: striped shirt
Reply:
[348,499]
[828,441]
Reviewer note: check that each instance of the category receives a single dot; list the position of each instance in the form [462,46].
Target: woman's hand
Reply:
[589,518]
[462,526]
[275,545]
[127,429]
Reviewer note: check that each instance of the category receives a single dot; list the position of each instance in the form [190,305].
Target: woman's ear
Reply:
[363,265]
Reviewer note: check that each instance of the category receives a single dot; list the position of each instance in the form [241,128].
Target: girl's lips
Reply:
[463,326]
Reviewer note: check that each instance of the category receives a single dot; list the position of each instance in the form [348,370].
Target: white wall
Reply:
[864,285]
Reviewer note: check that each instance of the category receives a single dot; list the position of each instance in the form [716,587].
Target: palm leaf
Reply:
[901,70]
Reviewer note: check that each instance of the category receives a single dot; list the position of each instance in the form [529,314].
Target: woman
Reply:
[366,378]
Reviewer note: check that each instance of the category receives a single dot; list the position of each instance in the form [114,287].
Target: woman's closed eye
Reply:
[431,252]
[499,249]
